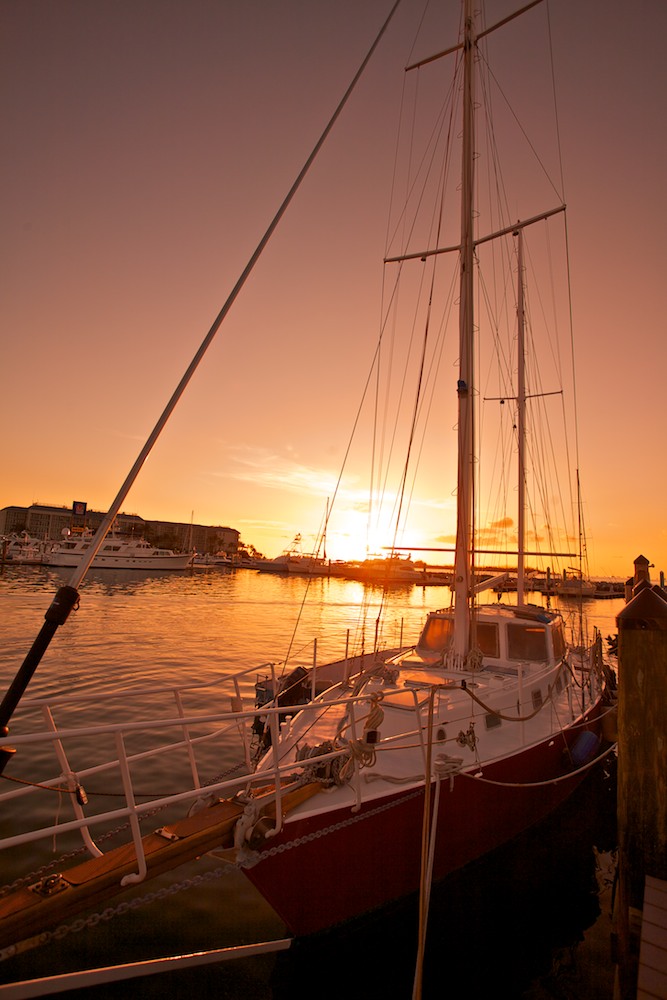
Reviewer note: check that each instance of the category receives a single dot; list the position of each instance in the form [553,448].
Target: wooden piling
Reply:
[642,762]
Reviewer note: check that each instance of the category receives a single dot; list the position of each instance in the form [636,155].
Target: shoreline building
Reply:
[49,521]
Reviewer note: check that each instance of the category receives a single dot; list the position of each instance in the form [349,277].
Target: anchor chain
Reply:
[249,859]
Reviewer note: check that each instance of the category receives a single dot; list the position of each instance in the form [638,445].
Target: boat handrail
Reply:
[178,720]
[224,724]
[135,810]
[201,728]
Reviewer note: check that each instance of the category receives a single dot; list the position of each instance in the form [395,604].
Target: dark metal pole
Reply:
[57,614]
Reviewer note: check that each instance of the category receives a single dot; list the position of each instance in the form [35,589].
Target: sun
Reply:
[348,534]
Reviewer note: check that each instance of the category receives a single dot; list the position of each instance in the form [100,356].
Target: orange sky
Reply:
[146,147]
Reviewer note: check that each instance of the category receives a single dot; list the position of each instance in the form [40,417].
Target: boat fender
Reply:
[584,748]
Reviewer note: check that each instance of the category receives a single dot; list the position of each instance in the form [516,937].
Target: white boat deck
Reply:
[652,974]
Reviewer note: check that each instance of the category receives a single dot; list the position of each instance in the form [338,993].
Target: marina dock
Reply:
[640,931]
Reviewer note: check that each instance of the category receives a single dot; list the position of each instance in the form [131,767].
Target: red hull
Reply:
[365,860]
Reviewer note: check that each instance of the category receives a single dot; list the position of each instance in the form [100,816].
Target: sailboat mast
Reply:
[464,560]
[521,423]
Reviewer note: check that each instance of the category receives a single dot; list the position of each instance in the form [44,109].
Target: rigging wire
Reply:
[495,179]
[418,175]
[581,531]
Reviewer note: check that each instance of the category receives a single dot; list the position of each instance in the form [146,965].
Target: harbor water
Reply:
[520,921]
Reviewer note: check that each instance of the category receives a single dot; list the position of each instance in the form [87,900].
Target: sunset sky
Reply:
[146,146]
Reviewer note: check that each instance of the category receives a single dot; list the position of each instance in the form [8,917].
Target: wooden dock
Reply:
[641,902]
[652,974]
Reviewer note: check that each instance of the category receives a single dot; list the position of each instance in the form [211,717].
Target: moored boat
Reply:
[328,762]
[116,552]
[574,586]
[212,560]
[609,590]
[506,738]
[294,560]
[22,549]
[392,570]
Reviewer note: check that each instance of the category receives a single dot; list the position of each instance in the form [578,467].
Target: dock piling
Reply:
[642,763]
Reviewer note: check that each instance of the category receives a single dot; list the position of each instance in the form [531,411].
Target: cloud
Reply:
[434,504]
[265,468]
[260,523]
[505,522]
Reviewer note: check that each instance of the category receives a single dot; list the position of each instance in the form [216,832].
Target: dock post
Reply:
[642,764]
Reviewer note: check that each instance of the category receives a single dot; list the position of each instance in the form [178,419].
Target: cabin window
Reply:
[487,639]
[437,635]
[537,698]
[492,720]
[559,641]
[527,642]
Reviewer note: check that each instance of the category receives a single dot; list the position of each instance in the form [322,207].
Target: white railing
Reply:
[125,765]
[199,742]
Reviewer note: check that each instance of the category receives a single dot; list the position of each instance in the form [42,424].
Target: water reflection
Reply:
[176,621]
